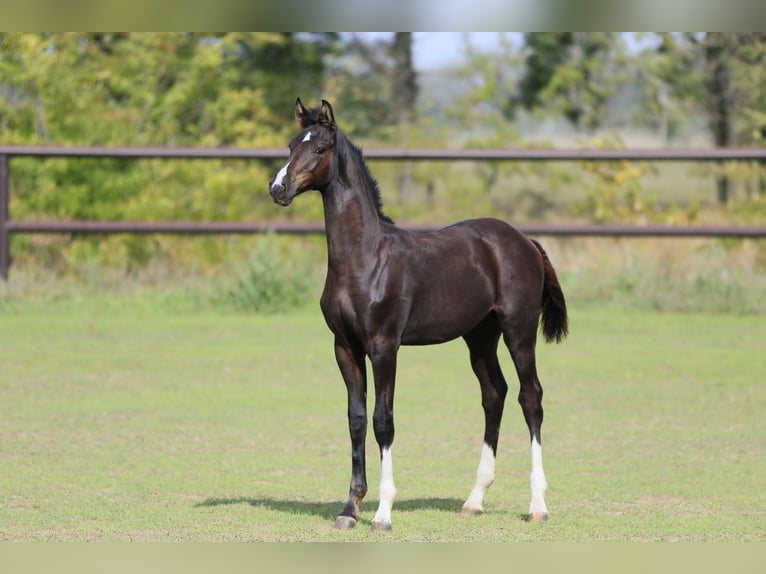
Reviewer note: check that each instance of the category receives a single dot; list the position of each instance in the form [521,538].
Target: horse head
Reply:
[311,154]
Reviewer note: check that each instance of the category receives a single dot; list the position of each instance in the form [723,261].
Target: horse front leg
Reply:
[383,359]
[350,360]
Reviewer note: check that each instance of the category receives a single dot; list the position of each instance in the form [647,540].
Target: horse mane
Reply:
[372,183]
[349,148]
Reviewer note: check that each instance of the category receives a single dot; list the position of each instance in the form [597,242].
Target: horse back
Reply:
[430,287]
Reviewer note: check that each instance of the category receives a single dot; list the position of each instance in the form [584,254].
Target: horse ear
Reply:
[327,118]
[300,112]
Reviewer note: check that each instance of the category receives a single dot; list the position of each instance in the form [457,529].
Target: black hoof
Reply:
[345,522]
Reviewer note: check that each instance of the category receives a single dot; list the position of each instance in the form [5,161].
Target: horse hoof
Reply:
[468,511]
[381,526]
[345,523]
[538,517]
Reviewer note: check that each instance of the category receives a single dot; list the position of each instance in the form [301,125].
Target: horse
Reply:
[386,286]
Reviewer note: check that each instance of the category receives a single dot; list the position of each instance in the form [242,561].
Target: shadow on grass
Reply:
[329,510]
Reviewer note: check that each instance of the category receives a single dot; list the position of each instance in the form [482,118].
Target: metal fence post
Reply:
[5,240]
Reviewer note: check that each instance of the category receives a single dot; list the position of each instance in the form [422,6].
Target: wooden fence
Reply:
[8,225]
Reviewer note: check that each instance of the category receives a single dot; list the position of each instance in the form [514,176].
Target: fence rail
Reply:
[399,154]
[9,226]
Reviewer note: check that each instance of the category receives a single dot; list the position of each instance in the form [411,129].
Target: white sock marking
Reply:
[485,476]
[537,481]
[387,488]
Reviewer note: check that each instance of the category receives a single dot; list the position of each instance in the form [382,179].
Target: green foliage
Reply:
[573,74]
[485,119]
[672,88]
[360,81]
[718,75]
[616,192]
[237,89]
[751,212]
[163,89]
[269,281]
[746,182]
[489,77]
[665,275]
[175,88]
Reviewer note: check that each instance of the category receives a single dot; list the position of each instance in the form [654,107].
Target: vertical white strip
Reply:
[537,481]
[280,176]
[387,489]
[283,172]
[485,476]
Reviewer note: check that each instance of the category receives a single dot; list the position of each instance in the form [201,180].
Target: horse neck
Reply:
[352,223]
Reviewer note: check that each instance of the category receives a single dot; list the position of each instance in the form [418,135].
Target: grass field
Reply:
[123,423]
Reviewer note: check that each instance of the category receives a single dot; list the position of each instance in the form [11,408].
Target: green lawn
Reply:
[130,424]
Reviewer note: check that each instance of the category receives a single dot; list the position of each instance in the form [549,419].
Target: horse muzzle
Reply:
[279,194]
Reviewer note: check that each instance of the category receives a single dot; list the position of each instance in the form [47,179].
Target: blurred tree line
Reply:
[718,75]
[237,89]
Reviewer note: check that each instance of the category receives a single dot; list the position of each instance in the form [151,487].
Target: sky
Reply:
[433,50]
[436,49]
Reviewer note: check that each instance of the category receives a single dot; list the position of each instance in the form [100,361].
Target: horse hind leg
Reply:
[482,344]
[521,344]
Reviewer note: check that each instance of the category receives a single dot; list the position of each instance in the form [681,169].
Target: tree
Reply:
[375,84]
[159,89]
[720,75]
[572,74]
[404,79]
[483,116]
[156,88]
[405,96]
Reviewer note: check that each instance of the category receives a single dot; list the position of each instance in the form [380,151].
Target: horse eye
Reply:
[319,149]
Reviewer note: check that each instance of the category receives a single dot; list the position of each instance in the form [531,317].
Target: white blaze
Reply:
[283,172]
[280,176]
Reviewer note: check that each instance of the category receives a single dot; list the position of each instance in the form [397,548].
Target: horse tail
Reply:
[554,323]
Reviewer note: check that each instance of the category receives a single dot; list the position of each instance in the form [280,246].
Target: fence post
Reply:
[5,240]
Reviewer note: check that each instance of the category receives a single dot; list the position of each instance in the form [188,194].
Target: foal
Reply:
[386,287]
